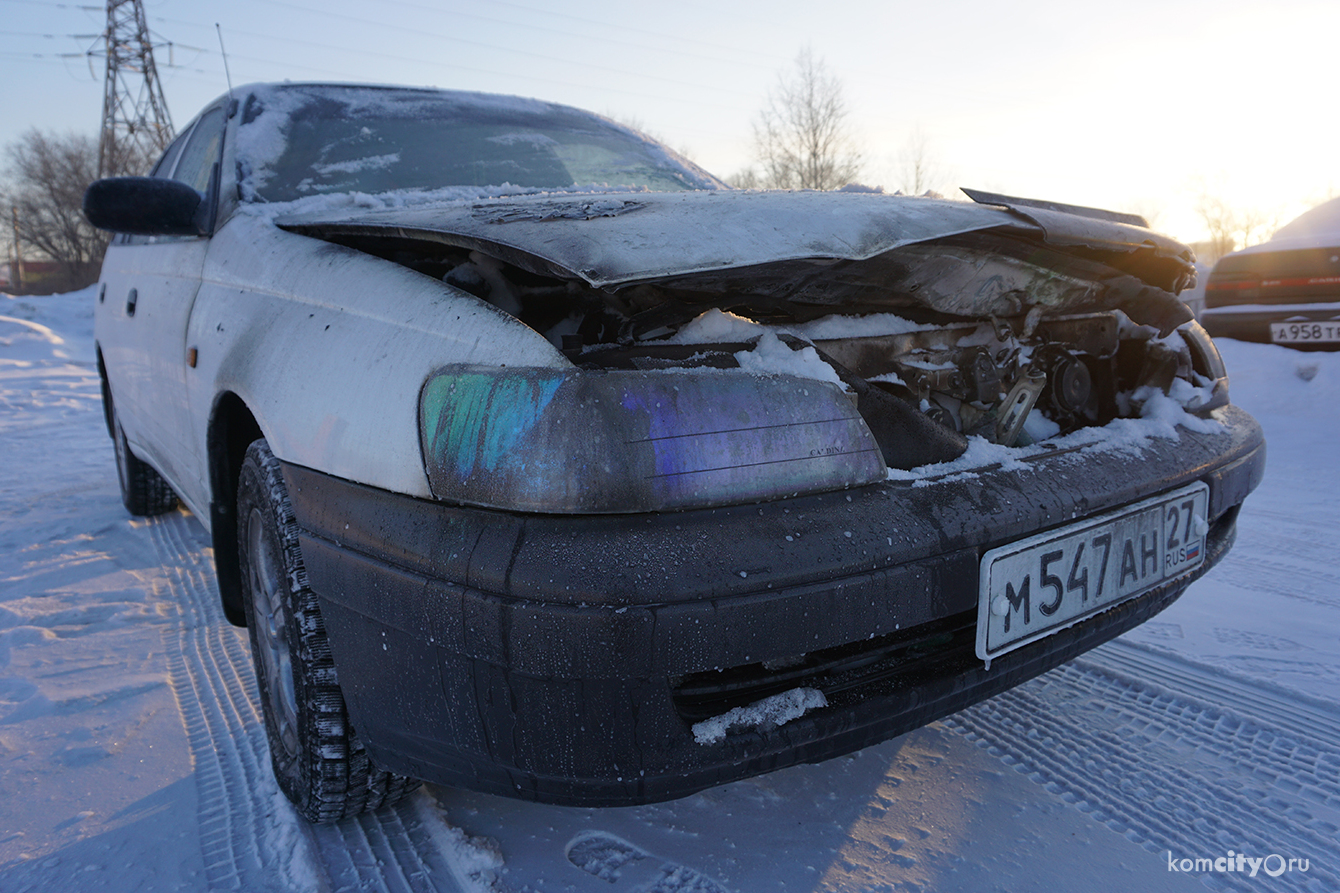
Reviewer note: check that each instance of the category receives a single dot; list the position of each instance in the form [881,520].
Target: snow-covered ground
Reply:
[132,757]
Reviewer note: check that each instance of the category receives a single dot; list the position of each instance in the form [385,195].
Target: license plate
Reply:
[1045,583]
[1304,332]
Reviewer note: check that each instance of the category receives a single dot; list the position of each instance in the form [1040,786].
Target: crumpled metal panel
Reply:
[725,240]
[575,441]
[1016,203]
[1089,227]
[657,235]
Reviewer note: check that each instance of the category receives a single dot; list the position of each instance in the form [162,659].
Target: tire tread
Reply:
[144,491]
[332,777]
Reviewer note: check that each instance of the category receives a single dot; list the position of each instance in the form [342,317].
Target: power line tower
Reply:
[135,119]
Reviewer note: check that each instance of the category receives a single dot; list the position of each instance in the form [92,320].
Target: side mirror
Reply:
[144,206]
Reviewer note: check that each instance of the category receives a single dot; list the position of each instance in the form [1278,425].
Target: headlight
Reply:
[552,440]
[1205,359]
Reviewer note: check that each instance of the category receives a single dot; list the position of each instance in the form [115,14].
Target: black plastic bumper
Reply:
[565,659]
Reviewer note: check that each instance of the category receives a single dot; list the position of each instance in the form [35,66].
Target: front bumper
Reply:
[1251,322]
[564,659]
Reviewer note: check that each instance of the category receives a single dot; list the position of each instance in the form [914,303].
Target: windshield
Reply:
[296,141]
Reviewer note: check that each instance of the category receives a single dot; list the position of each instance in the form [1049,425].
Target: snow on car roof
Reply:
[1323,220]
[1317,228]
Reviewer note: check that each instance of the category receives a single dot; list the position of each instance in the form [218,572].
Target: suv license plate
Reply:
[1303,332]
[1045,583]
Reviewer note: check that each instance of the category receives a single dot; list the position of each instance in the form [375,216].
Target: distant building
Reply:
[37,277]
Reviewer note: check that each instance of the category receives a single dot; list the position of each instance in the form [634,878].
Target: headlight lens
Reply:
[577,441]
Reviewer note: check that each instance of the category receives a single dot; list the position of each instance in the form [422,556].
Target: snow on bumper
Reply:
[566,659]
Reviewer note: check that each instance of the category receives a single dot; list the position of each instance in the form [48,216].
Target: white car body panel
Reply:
[365,328]
[144,352]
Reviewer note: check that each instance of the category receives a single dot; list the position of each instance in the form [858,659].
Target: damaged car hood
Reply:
[612,240]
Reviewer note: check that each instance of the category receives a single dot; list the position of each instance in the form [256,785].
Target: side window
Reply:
[190,159]
[203,148]
[161,169]
[169,158]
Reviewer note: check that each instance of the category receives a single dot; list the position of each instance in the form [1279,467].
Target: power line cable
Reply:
[37,34]
[13,54]
[728,58]
[419,32]
[47,5]
[342,75]
[731,50]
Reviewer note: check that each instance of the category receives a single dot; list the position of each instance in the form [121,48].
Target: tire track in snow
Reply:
[1309,542]
[210,673]
[1177,760]
[1287,553]
[378,846]
[247,829]
[1303,716]
[1308,581]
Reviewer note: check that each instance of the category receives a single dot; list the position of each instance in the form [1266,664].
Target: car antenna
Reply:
[227,76]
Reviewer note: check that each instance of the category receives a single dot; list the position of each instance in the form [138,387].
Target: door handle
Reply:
[131,299]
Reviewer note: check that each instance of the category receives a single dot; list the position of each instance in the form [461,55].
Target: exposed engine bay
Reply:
[1072,346]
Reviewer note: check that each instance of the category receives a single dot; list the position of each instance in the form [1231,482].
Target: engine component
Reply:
[1071,384]
[982,372]
[1018,404]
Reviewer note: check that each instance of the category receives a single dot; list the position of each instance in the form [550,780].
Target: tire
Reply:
[143,490]
[320,764]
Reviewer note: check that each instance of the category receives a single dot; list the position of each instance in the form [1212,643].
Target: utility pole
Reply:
[16,267]
[135,119]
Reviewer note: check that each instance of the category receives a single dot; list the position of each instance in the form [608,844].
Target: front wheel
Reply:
[320,764]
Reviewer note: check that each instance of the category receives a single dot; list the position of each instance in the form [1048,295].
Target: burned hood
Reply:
[613,240]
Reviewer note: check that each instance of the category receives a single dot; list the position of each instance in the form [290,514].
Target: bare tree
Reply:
[801,137]
[45,178]
[1151,209]
[919,170]
[745,178]
[634,122]
[1231,228]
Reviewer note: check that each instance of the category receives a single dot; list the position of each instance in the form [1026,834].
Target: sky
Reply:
[1142,105]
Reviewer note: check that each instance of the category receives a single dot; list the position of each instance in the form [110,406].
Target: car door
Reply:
[118,334]
[162,277]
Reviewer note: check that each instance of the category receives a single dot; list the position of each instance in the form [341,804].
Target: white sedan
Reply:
[539,462]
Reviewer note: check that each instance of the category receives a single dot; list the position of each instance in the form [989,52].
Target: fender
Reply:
[366,334]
